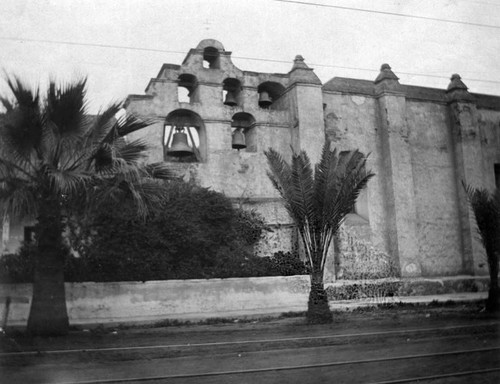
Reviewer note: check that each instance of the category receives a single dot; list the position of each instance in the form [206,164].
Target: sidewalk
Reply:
[463,297]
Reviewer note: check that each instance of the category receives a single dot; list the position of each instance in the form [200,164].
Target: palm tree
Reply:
[56,161]
[318,202]
[486,208]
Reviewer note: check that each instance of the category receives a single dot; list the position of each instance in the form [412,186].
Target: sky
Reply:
[120,45]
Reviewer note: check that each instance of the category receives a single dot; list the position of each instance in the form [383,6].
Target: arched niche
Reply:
[211,58]
[193,127]
[360,207]
[231,92]
[187,88]
[245,122]
[269,92]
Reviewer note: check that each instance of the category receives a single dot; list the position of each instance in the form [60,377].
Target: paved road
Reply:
[355,352]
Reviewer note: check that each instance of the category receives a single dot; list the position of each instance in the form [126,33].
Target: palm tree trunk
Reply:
[318,311]
[48,313]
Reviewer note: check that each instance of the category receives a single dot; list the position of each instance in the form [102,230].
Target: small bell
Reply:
[238,141]
[180,147]
[230,100]
[264,100]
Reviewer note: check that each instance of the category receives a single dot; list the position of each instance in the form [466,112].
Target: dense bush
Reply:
[375,290]
[18,268]
[195,234]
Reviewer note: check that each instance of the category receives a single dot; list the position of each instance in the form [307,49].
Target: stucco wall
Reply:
[174,299]
[351,122]
[153,301]
[435,186]
[489,125]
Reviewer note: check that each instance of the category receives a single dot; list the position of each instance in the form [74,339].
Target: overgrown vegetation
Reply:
[56,161]
[195,233]
[318,200]
[377,291]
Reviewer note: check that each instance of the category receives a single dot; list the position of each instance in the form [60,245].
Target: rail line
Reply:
[310,366]
[440,376]
[243,342]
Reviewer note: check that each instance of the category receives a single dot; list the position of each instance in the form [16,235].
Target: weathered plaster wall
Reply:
[91,303]
[440,250]
[132,302]
[351,122]
[489,125]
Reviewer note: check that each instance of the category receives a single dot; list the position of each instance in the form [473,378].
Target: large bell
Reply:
[264,100]
[230,100]
[180,147]
[238,140]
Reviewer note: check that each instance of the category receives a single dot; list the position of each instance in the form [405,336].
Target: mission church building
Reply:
[213,122]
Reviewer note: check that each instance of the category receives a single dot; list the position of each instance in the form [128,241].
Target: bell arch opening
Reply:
[211,58]
[231,92]
[187,88]
[269,92]
[184,137]
[244,123]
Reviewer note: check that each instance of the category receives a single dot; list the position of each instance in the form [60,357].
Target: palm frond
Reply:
[103,158]
[11,169]
[66,107]
[103,123]
[66,182]
[75,159]
[319,202]
[486,208]
[132,152]
[127,124]
[302,182]
[160,171]
[281,177]
[25,95]
[22,124]
[18,199]
[7,103]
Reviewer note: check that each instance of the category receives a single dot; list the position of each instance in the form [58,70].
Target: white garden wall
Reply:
[125,302]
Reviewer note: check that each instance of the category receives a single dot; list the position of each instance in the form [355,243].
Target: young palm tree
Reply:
[318,202]
[486,207]
[57,161]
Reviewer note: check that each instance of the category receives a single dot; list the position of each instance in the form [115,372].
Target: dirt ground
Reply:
[368,319]
[251,347]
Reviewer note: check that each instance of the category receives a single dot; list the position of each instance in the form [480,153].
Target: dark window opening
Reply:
[187,88]
[211,58]
[231,89]
[245,123]
[269,92]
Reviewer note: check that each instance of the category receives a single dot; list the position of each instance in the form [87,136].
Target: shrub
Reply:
[196,233]
[18,267]
[377,291]
[288,264]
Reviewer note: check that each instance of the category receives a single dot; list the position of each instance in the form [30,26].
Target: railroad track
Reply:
[257,341]
[461,363]
[239,374]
